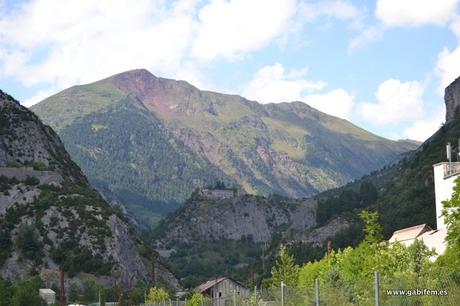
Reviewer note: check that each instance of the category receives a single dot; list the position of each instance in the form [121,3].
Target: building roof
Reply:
[211,283]
[46,291]
[409,233]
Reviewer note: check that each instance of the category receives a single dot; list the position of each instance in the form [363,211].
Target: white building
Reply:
[445,174]
[48,295]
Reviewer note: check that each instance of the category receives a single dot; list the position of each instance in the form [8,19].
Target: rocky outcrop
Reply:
[241,217]
[318,235]
[45,198]
[452,100]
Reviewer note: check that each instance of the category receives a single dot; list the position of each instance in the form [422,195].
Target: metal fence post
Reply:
[317,292]
[255,295]
[282,293]
[376,288]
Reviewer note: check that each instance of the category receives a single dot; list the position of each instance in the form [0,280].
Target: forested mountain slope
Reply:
[147,142]
[403,193]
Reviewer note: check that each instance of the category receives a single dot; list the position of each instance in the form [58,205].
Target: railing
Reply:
[452,168]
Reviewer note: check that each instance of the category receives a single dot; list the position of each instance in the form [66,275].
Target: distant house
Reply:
[407,235]
[217,193]
[48,295]
[223,290]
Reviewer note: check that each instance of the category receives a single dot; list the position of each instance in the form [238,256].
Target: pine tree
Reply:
[285,270]
[372,228]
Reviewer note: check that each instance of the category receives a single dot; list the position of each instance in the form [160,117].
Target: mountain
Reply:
[50,217]
[148,142]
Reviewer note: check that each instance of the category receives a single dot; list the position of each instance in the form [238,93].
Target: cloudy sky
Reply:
[381,64]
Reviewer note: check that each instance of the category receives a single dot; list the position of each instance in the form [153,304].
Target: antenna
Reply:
[449,152]
[449,158]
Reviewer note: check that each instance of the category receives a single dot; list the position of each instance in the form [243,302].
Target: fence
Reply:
[377,290]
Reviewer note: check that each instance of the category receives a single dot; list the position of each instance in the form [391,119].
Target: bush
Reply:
[28,243]
[39,165]
[32,181]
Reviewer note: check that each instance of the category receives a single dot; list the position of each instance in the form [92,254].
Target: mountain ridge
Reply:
[288,148]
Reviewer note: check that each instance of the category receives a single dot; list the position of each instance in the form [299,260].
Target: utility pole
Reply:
[329,247]
[62,289]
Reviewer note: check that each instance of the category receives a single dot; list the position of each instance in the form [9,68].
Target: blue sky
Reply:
[380,64]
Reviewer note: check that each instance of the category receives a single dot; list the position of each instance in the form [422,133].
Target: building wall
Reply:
[443,189]
[225,290]
[218,193]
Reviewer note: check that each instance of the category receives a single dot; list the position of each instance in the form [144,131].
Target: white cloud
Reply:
[338,9]
[232,28]
[397,102]
[39,96]
[367,35]
[447,67]
[415,12]
[276,84]
[62,42]
[337,102]
[422,129]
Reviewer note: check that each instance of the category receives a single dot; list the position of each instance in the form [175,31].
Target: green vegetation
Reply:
[285,270]
[28,243]
[21,294]
[71,201]
[157,295]
[195,300]
[346,276]
[39,165]
[402,194]
[150,148]
[165,173]
[196,263]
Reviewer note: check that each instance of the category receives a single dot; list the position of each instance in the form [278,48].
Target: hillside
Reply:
[148,142]
[50,217]
[404,194]
[220,232]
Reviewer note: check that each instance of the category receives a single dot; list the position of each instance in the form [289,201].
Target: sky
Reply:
[382,65]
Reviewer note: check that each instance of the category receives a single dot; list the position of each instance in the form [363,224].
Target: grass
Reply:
[64,108]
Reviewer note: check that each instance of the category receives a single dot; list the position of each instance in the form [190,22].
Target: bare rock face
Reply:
[235,218]
[452,100]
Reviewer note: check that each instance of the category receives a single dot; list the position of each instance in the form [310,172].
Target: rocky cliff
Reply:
[235,218]
[452,100]
[49,215]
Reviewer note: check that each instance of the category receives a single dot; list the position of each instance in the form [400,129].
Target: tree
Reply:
[157,295]
[368,193]
[451,214]
[195,300]
[28,243]
[285,270]
[372,228]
